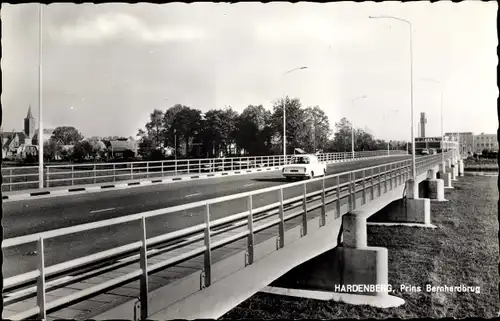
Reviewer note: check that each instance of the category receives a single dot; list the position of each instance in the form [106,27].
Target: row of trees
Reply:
[67,143]
[256,131]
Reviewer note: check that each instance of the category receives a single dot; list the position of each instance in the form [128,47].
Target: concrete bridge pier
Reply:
[432,187]
[411,210]
[461,167]
[444,175]
[450,168]
[455,168]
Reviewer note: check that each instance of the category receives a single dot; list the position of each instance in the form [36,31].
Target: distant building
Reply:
[466,141]
[485,141]
[29,125]
[433,143]
[11,141]
[423,121]
[118,148]
[47,135]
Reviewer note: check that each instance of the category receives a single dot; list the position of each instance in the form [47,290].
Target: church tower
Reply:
[29,124]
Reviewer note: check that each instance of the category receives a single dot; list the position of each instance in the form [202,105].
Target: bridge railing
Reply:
[19,178]
[305,195]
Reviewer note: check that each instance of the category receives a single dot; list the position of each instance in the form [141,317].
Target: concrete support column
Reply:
[411,189]
[433,187]
[357,263]
[431,173]
[444,175]
[354,231]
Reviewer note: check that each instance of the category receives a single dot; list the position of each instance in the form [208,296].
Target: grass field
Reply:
[462,250]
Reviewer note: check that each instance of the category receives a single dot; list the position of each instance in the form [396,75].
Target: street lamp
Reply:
[40,123]
[352,124]
[284,115]
[414,169]
[441,106]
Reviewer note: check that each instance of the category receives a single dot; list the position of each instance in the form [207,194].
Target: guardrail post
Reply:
[281,228]
[175,167]
[337,215]
[364,187]
[304,206]
[95,173]
[391,176]
[114,172]
[199,166]
[147,169]
[323,203]
[72,175]
[401,174]
[162,164]
[385,178]
[40,286]
[372,189]
[379,181]
[188,166]
[250,242]
[143,296]
[350,192]
[208,252]
[47,179]
[232,159]
[10,179]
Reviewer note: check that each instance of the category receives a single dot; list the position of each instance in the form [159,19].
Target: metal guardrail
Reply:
[46,277]
[19,178]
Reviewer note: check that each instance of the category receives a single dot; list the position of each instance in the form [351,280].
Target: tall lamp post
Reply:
[40,123]
[414,169]
[442,119]
[284,115]
[352,123]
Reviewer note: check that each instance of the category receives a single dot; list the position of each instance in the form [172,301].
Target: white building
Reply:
[485,141]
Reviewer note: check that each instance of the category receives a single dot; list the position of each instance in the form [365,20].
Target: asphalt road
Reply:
[33,216]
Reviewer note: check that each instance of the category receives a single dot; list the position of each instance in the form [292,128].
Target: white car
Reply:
[303,166]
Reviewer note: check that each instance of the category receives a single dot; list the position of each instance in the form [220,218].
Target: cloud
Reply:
[111,25]
[311,28]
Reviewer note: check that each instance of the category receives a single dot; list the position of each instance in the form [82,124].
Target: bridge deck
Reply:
[113,298]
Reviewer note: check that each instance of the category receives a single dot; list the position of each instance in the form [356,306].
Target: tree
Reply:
[254,130]
[51,149]
[187,124]
[218,130]
[168,120]
[155,129]
[317,132]
[81,150]
[67,135]
[295,118]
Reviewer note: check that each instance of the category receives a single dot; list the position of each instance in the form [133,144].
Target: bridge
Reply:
[185,250]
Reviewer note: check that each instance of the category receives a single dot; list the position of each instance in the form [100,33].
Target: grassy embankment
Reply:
[462,250]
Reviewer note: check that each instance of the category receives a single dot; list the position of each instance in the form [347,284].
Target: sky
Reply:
[106,67]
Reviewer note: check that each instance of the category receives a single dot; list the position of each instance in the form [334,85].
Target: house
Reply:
[11,142]
[47,135]
[118,148]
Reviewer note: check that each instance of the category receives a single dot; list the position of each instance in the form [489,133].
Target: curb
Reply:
[109,186]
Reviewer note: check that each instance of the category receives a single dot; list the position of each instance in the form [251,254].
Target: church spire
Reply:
[29,113]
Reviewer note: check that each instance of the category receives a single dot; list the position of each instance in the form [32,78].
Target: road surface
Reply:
[33,216]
